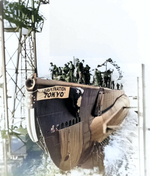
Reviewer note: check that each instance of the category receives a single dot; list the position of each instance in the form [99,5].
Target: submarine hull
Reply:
[67,119]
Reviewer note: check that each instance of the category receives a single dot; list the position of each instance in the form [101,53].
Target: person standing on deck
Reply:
[121,86]
[77,71]
[112,84]
[71,71]
[51,70]
[118,86]
[80,72]
[87,74]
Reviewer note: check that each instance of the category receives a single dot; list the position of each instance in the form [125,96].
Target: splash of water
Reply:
[121,154]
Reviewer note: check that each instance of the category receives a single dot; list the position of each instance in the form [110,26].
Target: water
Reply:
[121,156]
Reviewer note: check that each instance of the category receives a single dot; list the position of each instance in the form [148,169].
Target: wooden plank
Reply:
[71,141]
[53,92]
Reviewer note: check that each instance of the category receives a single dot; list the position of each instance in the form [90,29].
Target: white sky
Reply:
[95,30]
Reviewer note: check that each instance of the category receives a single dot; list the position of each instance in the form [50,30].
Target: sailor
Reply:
[67,77]
[112,84]
[118,86]
[87,74]
[71,71]
[67,73]
[107,77]
[80,80]
[109,72]
[100,80]
[55,71]
[77,71]
[63,76]
[121,86]
[59,71]
[80,72]
[97,78]
[66,69]
[51,70]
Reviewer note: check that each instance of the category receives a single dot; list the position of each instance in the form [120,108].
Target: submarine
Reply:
[71,121]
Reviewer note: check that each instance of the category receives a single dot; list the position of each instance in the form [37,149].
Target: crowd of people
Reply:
[78,73]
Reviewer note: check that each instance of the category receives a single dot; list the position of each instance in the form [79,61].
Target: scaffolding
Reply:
[19,22]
